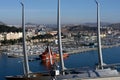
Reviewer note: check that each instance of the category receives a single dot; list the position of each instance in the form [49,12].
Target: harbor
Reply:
[67,52]
[13,66]
[37,50]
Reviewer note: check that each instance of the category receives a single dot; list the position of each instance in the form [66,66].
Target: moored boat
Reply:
[46,55]
[13,55]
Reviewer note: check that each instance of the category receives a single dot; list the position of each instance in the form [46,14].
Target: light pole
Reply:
[26,65]
[98,36]
[59,38]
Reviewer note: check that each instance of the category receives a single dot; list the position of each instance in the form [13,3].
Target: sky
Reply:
[72,11]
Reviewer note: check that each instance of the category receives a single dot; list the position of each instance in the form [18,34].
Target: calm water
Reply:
[13,66]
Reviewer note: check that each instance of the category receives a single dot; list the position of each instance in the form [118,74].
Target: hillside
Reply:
[1,23]
[4,28]
[115,26]
[78,28]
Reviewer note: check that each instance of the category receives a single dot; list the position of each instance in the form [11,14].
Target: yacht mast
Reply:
[98,36]
[51,58]
[59,38]
[26,65]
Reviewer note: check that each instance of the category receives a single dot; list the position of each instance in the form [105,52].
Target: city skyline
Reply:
[72,11]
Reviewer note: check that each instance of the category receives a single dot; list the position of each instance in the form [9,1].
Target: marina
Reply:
[13,66]
[53,61]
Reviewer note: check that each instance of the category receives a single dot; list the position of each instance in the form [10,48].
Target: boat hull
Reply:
[48,54]
[54,56]
[37,76]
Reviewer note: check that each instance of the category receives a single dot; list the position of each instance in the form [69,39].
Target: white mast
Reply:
[50,54]
[26,65]
[99,38]
[59,38]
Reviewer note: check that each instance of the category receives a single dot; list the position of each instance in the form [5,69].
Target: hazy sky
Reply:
[72,11]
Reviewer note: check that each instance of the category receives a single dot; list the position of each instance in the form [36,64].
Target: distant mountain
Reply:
[29,23]
[115,26]
[2,23]
[79,28]
[95,24]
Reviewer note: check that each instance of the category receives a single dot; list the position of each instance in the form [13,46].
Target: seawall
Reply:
[80,50]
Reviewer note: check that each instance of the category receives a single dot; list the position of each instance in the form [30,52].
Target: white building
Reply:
[1,37]
[12,35]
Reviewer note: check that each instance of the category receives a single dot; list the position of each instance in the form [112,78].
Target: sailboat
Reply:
[102,71]
[28,75]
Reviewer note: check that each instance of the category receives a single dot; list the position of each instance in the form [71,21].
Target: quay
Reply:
[38,50]
[81,50]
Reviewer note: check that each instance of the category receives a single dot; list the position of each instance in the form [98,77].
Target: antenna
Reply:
[98,36]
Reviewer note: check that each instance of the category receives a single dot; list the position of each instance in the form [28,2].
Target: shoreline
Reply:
[78,50]
[81,50]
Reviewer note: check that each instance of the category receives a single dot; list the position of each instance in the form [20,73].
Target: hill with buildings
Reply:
[115,26]
[95,24]
[78,28]
[89,27]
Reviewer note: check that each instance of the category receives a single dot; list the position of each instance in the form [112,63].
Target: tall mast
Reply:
[26,65]
[59,38]
[99,38]
[49,50]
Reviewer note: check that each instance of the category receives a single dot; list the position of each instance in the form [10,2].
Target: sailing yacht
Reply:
[28,75]
[102,71]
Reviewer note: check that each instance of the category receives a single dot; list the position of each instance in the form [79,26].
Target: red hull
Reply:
[46,55]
